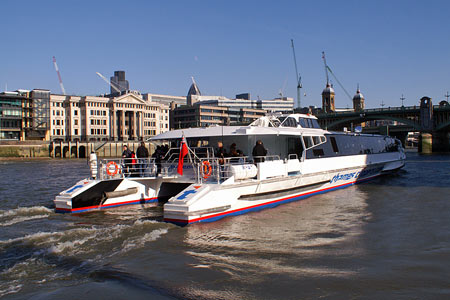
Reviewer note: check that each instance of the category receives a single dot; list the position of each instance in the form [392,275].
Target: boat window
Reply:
[281,119]
[308,141]
[290,122]
[315,124]
[334,144]
[323,139]
[307,124]
[316,140]
[302,122]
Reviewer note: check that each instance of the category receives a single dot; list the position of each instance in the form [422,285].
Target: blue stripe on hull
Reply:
[269,205]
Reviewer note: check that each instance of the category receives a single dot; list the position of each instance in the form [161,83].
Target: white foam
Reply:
[140,241]
[21,211]
[12,289]
[22,219]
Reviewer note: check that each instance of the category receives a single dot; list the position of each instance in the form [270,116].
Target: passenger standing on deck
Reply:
[126,155]
[259,152]
[233,151]
[220,153]
[142,155]
[158,155]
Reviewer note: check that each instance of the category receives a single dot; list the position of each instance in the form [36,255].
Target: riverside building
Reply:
[41,115]
[122,118]
[202,111]
[15,115]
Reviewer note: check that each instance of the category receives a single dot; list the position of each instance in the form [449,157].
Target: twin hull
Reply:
[205,202]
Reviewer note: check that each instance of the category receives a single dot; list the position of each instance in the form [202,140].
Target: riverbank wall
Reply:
[37,149]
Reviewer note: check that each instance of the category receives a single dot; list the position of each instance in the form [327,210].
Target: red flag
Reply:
[183,153]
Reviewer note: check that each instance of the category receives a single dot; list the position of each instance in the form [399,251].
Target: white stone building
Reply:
[91,118]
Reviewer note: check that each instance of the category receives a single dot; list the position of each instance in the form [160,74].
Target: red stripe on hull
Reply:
[182,221]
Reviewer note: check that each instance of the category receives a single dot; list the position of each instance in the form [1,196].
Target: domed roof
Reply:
[358,95]
[328,90]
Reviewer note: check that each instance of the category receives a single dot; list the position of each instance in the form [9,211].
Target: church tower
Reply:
[328,99]
[358,101]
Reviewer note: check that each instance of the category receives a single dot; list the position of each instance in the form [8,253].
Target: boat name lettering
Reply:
[359,174]
[348,176]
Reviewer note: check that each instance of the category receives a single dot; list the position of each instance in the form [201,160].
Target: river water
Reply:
[387,238]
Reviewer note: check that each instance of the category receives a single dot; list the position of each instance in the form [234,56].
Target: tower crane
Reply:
[328,69]
[299,78]
[108,82]
[59,76]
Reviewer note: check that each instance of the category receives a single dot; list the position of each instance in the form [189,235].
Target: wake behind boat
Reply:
[203,185]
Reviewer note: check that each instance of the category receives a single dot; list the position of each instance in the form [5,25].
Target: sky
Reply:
[390,48]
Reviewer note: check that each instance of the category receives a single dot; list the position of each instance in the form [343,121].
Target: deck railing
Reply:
[127,167]
[198,170]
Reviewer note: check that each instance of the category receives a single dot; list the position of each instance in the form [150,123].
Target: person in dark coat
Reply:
[233,150]
[158,155]
[126,155]
[142,155]
[259,152]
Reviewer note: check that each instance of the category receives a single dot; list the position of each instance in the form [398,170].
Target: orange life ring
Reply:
[206,169]
[113,171]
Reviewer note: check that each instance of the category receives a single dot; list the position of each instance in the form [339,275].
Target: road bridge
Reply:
[432,121]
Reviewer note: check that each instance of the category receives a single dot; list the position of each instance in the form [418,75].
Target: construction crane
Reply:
[108,82]
[59,76]
[328,69]
[299,78]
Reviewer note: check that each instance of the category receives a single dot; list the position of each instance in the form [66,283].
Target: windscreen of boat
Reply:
[289,122]
[309,123]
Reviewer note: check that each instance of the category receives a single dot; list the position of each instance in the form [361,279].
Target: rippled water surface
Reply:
[388,238]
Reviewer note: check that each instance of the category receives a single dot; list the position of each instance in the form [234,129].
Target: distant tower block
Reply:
[358,101]
[328,99]
[118,80]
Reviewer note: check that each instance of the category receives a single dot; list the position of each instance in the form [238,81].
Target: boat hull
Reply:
[246,199]
[88,195]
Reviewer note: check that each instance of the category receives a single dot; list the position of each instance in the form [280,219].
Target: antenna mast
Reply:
[299,78]
[59,76]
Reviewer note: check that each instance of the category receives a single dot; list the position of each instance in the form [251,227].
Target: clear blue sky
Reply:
[389,47]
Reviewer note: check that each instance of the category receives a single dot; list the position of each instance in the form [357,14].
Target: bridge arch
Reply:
[364,118]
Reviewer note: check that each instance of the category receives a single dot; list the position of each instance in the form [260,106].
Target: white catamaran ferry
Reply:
[200,184]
